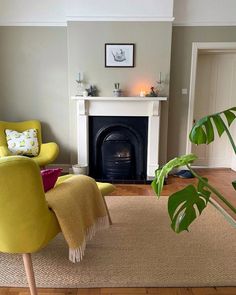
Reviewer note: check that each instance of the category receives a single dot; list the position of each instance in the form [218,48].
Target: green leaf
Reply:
[203,130]
[234,184]
[209,131]
[219,124]
[186,205]
[161,174]
[199,135]
[205,193]
[230,116]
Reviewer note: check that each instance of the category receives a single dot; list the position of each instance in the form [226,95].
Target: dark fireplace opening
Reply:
[118,148]
[118,157]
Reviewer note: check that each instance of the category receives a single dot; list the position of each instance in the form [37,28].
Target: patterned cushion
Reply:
[24,143]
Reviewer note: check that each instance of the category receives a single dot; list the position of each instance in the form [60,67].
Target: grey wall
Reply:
[86,53]
[34,73]
[182,38]
[152,54]
[33,80]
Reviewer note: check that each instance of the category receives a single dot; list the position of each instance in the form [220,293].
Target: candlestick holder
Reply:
[160,85]
[80,87]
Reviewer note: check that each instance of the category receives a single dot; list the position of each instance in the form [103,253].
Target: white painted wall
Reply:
[205,12]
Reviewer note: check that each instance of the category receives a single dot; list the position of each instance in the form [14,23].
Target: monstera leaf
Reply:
[203,131]
[160,174]
[186,205]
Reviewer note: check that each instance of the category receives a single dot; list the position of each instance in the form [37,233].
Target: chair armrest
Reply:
[48,153]
[50,149]
[4,152]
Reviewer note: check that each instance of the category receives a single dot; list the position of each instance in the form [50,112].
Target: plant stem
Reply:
[230,137]
[227,203]
[226,215]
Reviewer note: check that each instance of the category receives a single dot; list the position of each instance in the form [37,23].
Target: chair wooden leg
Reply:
[108,213]
[30,273]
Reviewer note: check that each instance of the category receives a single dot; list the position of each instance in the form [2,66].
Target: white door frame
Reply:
[196,47]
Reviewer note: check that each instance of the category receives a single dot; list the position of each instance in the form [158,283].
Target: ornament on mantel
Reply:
[152,93]
[92,90]
[117,91]
[157,91]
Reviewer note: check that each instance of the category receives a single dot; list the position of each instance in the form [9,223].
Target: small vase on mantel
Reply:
[117,91]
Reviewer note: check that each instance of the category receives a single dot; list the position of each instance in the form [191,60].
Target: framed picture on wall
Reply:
[119,55]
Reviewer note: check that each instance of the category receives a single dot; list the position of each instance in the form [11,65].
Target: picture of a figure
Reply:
[119,55]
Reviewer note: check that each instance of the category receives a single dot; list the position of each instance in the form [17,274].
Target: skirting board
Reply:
[66,167]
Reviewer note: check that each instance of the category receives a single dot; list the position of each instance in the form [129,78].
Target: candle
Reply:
[142,93]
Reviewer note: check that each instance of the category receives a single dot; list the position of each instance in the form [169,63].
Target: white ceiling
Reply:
[58,12]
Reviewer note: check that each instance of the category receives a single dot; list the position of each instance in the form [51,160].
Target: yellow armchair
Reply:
[48,152]
[26,222]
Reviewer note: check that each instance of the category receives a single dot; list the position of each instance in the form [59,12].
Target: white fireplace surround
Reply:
[120,106]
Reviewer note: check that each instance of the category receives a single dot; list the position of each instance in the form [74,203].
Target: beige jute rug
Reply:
[138,250]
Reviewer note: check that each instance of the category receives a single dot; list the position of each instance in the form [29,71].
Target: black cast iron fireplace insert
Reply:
[118,148]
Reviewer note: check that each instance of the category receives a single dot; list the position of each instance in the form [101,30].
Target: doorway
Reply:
[212,89]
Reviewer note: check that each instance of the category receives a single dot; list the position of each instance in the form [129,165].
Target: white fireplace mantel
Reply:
[119,106]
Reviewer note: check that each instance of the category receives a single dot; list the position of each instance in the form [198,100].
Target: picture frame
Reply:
[119,55]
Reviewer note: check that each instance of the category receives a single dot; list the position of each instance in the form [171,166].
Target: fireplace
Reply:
[118,148]
[127,146]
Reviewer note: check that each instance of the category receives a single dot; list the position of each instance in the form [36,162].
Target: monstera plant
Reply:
[186,205]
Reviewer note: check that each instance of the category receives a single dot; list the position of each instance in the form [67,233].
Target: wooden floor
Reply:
[124,291]
[221,178]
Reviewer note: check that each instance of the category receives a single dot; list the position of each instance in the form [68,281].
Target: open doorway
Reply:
[212,89]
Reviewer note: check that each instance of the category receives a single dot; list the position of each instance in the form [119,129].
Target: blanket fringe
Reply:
[76,255]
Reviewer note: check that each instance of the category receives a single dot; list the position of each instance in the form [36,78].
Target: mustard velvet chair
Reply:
[48,152]
[26,222]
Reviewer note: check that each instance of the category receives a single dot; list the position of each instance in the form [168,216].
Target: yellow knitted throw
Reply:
[80,210]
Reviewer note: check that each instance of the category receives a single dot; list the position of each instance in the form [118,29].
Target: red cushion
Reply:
[49,177]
